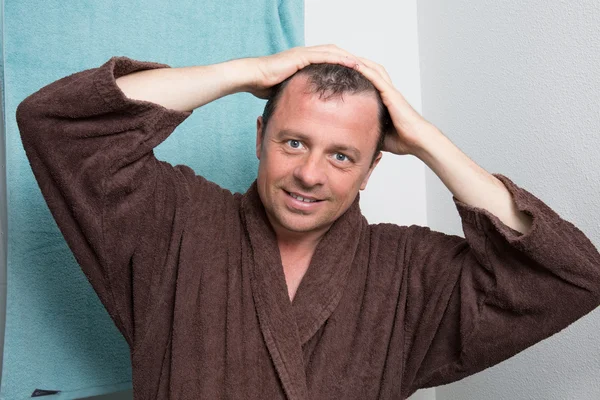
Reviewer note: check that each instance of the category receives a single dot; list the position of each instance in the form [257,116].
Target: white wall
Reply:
[516,85]
[385,32]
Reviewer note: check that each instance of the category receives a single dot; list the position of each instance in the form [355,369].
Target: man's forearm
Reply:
[412,134]
[187,88]
[468,182]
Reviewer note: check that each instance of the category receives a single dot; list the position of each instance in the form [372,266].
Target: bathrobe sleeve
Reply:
[473,302]
[120,209]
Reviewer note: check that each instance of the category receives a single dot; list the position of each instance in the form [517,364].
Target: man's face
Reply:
[315,157]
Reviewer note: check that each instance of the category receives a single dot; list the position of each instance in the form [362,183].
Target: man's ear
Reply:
[363,185]
[259,125]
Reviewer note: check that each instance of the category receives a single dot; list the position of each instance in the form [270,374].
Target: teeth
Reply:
[302,198]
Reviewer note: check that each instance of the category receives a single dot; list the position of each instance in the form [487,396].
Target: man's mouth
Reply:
[305,199]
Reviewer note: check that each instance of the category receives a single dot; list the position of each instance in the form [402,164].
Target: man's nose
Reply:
[311,171]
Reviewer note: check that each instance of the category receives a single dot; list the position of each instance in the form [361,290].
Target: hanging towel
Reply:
[59,340]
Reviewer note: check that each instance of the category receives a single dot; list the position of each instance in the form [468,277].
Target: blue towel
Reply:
[58,335]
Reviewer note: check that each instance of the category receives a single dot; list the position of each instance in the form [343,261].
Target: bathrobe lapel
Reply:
[287,326]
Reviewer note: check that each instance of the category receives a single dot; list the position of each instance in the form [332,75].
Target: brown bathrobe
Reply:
[192,277]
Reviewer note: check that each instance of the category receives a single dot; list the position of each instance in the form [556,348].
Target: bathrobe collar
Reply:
[286,326]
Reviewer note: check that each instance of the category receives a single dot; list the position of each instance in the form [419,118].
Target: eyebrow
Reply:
[353,151]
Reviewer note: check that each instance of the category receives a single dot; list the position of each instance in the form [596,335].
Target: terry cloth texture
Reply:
[192,277]
[58,334]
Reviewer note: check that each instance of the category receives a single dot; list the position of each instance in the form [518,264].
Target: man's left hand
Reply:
[412,134]
[410,130]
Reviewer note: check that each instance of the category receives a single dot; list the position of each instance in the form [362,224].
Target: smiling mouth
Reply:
[303,199]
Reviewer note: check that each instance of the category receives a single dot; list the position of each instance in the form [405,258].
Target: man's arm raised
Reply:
[90,137]
[187,88]
[478,300]
[467,181]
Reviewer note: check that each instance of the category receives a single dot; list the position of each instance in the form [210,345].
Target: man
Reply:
[286,291]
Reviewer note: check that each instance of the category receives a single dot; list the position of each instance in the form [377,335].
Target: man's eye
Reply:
[295,144]
[341,157]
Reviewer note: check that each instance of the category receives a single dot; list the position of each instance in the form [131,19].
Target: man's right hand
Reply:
[274,69]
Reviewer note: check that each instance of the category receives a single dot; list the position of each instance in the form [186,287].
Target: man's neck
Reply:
[298,242]
[296,250]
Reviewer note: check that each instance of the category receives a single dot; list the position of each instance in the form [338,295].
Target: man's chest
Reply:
[241,324]
[294,271]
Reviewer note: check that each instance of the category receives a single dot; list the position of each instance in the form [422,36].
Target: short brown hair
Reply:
[330,81]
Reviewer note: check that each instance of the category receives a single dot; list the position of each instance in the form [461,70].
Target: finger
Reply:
[380,83]
[391,97]
[328,48]
[377,68]
[331,57]
[331,48]
[373,65]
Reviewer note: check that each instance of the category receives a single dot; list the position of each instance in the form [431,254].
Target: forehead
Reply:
[352,115]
